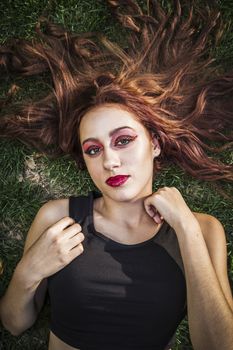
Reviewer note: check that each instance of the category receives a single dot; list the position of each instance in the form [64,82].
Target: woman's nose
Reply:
[111,158]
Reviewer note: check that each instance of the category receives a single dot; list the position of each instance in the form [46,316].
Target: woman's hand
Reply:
[54,249]
[168,204]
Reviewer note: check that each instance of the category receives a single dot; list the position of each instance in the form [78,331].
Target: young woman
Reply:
[124,265]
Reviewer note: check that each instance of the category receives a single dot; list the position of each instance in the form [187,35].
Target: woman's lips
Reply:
[117,180]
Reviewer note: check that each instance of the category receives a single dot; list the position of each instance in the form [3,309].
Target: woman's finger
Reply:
[74,241]
[158,218]
[72,230]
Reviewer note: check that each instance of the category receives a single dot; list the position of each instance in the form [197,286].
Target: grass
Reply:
[27,179]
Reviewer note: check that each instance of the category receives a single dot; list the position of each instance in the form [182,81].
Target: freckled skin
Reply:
[134,158]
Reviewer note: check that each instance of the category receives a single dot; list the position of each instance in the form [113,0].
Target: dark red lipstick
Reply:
[117,180]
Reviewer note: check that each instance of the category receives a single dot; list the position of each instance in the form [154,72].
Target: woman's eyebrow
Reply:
[111,133]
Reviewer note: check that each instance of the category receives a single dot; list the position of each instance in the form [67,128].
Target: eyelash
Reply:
[128,138]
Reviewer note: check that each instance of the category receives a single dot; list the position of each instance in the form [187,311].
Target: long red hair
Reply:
[165,75]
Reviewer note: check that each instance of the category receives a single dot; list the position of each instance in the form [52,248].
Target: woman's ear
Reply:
[156,146]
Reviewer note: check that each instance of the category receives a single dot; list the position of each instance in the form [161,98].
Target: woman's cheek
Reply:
[94,168]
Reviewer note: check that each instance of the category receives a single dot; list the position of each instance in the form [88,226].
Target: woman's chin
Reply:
[124,194]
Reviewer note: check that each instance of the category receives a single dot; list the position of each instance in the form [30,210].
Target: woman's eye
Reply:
[89,151]
[125,140]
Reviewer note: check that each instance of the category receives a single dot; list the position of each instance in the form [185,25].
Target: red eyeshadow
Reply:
[91,143]
[122,132]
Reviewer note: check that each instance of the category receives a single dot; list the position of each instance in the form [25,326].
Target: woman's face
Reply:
[115,143]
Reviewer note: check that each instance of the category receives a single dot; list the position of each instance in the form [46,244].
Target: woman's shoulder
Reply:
[56,207]
[212,229]
[48,214]
[206,219]
[59,207]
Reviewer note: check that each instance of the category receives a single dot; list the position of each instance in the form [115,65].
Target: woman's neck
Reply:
[128,215]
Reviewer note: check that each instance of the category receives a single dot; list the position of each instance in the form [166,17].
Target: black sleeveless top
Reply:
[118,296]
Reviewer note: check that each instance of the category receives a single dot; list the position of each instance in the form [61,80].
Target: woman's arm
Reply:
[17,308]
[210,306]
[203,249]
[50,246]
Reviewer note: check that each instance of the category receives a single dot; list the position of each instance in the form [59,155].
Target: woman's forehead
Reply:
[105,119]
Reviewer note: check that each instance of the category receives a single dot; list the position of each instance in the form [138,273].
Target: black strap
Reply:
[78,207]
